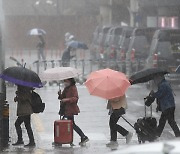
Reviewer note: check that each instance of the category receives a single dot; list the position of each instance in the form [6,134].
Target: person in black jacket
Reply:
[66,57]
[40,47]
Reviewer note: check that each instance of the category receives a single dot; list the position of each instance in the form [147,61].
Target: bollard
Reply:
[60,62]
[4,122]
[37,66]
[5,131]
[90,65]
[52,63]
[75,63]
[45,64]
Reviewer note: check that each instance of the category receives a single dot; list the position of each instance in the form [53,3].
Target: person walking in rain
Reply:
[66,57]
[117,108]
[69,99]
[67,35]
[166,105]
[24,111]
[40,47]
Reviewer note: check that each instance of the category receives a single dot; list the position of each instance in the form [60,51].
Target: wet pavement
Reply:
[93,120]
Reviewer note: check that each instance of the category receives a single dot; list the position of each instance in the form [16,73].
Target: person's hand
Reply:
[15,99]
[59,92]
[64,100]
[151,93]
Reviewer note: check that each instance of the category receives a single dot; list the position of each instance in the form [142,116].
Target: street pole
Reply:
[2,83]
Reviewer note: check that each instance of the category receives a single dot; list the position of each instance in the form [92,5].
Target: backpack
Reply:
[36,103]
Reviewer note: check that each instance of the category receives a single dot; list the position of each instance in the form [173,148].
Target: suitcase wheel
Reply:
[72,144]
[56,144]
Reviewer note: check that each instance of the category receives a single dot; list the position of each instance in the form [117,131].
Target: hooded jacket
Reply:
[165,95]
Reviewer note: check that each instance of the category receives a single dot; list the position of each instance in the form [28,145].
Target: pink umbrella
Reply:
[107,83]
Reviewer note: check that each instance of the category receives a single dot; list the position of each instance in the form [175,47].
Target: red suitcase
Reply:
[63,132]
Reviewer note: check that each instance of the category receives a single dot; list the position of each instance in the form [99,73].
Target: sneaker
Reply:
[18,143]
[84,140]
[129,137]
[31,144]
[112,144]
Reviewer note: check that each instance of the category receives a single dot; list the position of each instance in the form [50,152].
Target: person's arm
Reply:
[161,91]
[23,96]
[61,95]
[73,98]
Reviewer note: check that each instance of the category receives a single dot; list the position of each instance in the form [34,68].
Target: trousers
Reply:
[27,121]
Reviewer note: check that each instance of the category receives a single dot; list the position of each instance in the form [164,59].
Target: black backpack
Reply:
[36,103]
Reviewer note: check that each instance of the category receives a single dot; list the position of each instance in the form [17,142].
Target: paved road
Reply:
[93,120]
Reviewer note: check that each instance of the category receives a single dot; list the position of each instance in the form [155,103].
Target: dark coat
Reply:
[165,95]
[23,99]
[71,95]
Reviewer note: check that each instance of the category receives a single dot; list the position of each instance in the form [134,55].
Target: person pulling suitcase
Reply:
[68,101]
[117,108]
[166,105]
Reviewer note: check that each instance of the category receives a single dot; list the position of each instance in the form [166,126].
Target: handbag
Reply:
[62,110]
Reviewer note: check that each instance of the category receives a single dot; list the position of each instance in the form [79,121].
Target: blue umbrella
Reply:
[77,45]
[21,76]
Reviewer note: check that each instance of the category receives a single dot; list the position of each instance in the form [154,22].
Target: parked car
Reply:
[123,46]
[139,46]
[101,41]
[165,52]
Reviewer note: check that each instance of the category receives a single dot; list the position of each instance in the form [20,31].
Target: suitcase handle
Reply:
[145,109]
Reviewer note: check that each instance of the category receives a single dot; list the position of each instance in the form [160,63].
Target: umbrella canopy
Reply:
[21,76]
[77,44]
[59,73]
[146,75]
[36,31]
[107,83]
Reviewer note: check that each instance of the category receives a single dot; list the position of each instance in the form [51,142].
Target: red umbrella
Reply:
[107,83]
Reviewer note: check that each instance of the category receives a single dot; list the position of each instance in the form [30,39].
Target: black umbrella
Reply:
[21,76]
[146,75]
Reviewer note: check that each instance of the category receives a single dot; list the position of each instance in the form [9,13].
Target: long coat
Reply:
[71,95]
[23,99]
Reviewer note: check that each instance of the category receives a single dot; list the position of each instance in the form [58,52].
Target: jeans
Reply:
[168,115]
[27,122]
[75,127]
[114,127]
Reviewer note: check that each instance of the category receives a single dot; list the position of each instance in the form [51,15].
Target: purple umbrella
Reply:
[21,76]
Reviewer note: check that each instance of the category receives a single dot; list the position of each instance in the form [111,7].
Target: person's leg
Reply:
[84,138]
[172,122]
[39,56]
[162,122]
[18,123]
[42,54]
[113,126]
[128,135]
[27,122]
